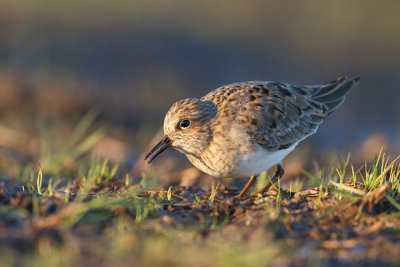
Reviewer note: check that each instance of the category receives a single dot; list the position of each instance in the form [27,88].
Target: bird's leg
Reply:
[248,185]
[278,174]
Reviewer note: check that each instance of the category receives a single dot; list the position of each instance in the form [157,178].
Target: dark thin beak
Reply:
[164,144]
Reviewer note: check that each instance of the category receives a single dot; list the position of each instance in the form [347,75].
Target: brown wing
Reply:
[278,115]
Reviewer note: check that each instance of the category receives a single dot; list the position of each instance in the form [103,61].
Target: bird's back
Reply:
[278,115]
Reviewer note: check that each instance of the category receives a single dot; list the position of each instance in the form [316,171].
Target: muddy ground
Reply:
[316,226]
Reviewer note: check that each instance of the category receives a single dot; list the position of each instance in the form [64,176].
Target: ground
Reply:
[102,219]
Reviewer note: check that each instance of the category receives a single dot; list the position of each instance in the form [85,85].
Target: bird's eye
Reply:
[184,124]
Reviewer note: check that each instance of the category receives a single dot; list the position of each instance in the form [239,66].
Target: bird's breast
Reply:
[258,161]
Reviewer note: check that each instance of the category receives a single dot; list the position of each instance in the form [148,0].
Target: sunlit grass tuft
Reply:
[341,170]
[214,190]
[382,170]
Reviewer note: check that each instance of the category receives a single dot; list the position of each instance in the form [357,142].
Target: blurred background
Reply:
[126,62]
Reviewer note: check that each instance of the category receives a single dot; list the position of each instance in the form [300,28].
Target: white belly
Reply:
[258,161]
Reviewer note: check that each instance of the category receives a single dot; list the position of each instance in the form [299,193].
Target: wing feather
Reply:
[278,115]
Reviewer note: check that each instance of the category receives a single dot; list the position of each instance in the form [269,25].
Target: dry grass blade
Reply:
[348,189]
[373,197]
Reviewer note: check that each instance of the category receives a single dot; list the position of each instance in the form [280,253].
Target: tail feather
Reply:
[329,86]
[333,94]
[335,104]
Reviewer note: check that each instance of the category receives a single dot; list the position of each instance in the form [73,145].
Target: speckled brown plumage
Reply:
[243,128]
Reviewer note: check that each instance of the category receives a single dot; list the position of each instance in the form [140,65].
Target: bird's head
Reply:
[187,127]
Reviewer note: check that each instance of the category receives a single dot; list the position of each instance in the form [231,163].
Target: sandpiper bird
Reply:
[245,128]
